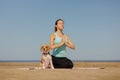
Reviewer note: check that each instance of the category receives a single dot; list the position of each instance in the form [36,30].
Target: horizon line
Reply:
[71,60]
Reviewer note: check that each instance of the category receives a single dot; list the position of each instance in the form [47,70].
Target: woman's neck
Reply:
[59,32]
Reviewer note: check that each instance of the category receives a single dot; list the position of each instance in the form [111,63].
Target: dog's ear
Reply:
[41,48]
[48,48]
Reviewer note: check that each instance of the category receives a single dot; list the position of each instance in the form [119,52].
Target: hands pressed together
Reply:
[65,41]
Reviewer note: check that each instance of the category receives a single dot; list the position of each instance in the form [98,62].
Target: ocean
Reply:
[72,60]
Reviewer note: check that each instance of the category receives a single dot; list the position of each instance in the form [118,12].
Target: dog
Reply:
[46,61]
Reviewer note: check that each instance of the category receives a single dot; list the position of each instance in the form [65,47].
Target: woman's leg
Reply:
[62,62]
[57,62]
[69,63]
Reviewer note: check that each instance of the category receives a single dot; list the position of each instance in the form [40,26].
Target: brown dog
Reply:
[46,61]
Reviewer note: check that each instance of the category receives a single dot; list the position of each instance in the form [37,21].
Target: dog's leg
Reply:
[43,62]
[51,63]
[47,63]
[43,67]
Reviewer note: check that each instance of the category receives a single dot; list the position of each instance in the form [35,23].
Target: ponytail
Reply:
[55,29]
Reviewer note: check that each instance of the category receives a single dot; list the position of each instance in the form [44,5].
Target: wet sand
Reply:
[81,71]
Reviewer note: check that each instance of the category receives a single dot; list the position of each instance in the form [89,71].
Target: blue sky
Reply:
[92,25]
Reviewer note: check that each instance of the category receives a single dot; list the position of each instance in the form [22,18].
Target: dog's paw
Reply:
[52,68]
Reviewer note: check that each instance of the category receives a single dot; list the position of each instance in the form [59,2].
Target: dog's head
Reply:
[45,48]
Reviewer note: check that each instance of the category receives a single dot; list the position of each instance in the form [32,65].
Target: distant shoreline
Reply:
[72,60]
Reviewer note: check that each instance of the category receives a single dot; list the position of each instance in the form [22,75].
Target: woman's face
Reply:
[60,25]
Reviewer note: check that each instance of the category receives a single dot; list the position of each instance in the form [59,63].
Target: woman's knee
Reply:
[70,64]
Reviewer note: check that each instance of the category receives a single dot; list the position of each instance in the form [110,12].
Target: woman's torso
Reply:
[60,51]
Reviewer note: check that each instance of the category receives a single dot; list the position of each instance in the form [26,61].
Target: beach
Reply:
[81,71]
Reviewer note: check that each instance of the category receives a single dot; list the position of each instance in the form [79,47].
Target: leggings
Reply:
[63,62]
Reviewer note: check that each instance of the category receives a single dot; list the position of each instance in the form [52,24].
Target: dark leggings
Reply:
[62,62]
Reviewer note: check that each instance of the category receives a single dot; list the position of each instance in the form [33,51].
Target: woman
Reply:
[58,42]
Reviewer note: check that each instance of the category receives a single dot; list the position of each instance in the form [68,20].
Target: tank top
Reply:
[60,51]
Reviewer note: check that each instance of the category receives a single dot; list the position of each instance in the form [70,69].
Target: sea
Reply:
[72,60]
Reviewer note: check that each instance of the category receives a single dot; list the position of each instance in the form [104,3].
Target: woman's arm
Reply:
[52,45]
[69,43]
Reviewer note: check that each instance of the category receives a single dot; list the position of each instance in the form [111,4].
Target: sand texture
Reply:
[81,71]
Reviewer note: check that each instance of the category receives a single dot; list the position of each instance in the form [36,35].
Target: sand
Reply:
[81,71]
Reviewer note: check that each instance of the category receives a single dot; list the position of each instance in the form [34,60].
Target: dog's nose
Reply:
[44,49]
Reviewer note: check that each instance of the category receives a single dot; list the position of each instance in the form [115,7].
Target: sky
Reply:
[92,25]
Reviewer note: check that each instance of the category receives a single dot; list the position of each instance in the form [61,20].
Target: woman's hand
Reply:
[68,42]
[63,39]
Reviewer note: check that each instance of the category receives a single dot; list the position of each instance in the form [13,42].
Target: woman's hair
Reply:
[56,22]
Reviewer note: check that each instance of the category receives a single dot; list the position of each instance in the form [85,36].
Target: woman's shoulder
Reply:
[52,35]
